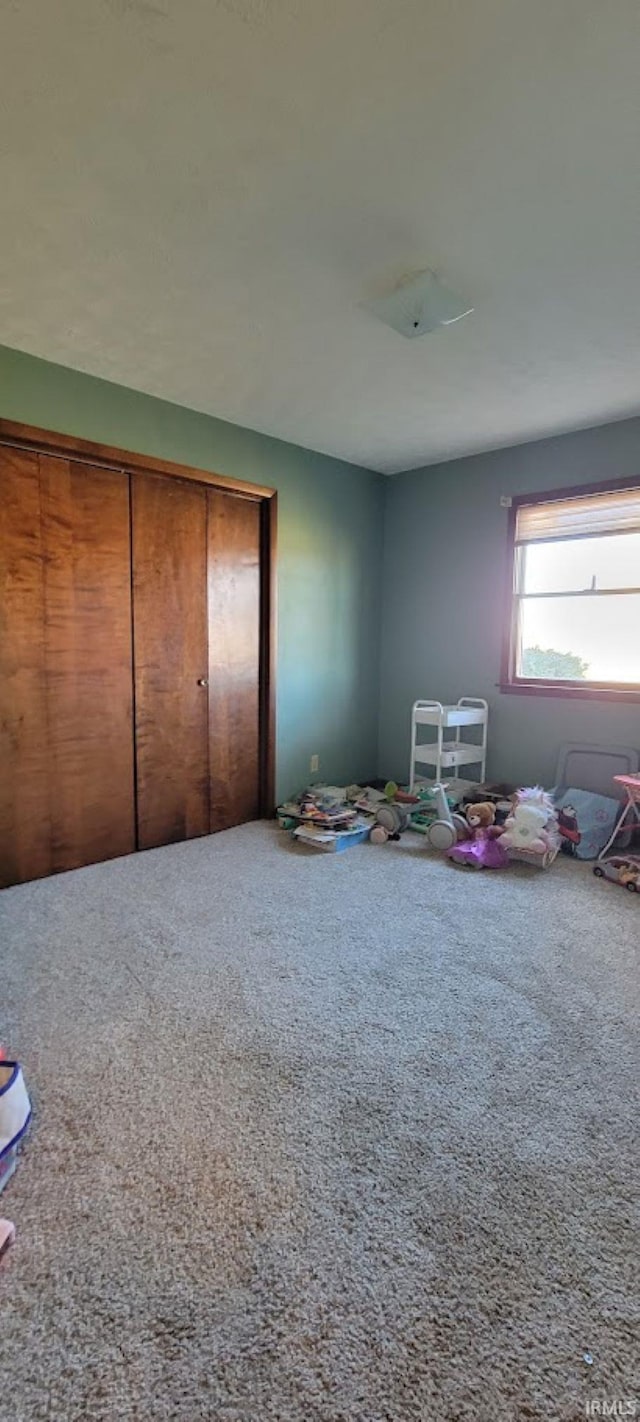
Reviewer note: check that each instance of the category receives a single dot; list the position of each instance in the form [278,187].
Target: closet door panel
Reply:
[25,851]
[234,658]
[88,661]
[170,656]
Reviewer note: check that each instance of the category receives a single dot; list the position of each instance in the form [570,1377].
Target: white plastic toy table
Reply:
[453,753]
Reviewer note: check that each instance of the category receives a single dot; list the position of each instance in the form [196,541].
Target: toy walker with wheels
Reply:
[445,831]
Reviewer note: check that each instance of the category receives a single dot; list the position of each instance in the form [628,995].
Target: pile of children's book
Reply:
[325,819]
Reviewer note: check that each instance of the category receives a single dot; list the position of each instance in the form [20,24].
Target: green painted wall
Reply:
[436,591]
[329,551]
[444,560]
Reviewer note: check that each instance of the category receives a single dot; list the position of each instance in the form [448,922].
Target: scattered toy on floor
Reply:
[426,810]
[627,817]
[623,869]
[568,830]
[335,817]
[483,849]
[322,818]
[391,820]
[525,828]
[501,795]
[531,832]
[448,827]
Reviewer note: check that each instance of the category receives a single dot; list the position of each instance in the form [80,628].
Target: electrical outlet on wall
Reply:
[314,764]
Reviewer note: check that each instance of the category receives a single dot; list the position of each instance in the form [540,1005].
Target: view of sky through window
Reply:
[602,633]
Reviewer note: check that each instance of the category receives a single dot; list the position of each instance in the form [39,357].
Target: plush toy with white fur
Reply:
[531,826]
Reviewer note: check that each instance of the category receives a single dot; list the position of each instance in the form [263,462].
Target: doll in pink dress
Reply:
[482,850]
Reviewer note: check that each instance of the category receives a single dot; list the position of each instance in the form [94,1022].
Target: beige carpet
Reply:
[320,1138]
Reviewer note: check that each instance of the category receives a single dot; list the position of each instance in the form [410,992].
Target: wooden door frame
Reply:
[85,451]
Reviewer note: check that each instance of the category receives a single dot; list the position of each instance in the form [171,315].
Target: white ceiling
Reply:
[197,195]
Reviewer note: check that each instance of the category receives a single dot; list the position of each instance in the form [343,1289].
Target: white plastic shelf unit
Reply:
[449,755]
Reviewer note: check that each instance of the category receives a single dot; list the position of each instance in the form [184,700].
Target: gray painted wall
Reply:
[329,552]
[442,601]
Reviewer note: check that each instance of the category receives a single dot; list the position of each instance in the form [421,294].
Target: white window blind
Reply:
[585,517]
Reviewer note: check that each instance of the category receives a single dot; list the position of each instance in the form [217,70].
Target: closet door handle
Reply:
[203,681]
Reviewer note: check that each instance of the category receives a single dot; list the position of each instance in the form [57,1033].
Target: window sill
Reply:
[571,690]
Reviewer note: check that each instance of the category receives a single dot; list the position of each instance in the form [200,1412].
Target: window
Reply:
[574,594]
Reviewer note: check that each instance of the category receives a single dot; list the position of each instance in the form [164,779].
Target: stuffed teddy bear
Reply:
[483,849]
[480,815]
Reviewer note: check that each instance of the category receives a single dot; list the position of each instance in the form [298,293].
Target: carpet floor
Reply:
[320,1138]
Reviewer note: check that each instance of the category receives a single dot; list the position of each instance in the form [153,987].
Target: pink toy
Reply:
[483,849]
[629,816]
[7,1235]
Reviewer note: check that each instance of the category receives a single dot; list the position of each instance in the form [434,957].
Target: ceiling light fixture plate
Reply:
[418,304]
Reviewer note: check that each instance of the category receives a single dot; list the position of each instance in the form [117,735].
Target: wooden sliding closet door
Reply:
[170,658]
[87,608]
[65,666]
[25,836]
[234,658]
[196,618]
[136,652]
